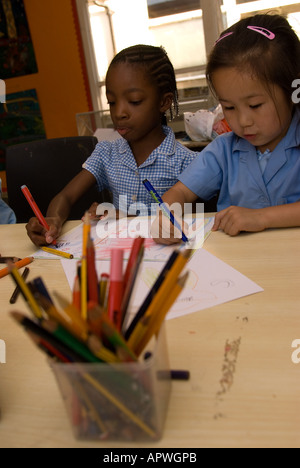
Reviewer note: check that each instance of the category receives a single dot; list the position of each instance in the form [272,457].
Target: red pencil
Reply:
[35,208]
[116,287]
[134,262]
[93,289]
[76,297]
[137,244]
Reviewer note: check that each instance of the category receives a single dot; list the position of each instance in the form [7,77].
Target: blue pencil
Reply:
[164,208]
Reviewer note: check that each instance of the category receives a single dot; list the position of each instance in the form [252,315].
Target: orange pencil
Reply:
[25,261]
[76,293]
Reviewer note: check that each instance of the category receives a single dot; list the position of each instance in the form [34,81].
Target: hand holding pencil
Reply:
[39,229]
[38,233]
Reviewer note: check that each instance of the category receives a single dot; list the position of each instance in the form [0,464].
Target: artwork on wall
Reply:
[20,121]
[17,56]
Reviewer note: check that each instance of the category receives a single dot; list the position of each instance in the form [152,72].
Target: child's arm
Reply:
[59,209]
[235,219]
[162,230]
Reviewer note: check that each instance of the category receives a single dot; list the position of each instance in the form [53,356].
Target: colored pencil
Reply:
[156,197]
[76,293]
[48,348]
[19,264]
[92,280]
[68,317]
[12,259]
[25,291]
[160,297]
[83,273]
[32,326]
[35,208]
[17,290]
[101,325]
[116,287]
[116,402]
[134,262]
[104,288]
[137,244]
[153,322]
[153,291]
[69,340]
[60,253]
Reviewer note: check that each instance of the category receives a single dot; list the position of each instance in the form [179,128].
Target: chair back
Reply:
[46,166]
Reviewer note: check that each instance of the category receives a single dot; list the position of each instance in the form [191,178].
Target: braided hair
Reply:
[157,65]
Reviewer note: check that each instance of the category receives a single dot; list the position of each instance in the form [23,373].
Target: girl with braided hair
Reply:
[141,91]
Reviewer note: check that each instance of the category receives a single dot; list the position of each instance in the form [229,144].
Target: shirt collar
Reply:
[167,147]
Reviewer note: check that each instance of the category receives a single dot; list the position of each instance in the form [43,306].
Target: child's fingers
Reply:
[164,232]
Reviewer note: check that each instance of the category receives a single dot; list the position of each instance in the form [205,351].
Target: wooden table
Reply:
[244,387]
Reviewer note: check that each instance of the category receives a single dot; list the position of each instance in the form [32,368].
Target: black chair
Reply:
[46,166]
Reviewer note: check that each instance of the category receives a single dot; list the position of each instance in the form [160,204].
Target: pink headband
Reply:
[265,32]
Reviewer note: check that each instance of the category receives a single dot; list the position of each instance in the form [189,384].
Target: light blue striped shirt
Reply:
[115,168]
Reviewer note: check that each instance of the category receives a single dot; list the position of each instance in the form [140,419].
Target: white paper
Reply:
[211,282]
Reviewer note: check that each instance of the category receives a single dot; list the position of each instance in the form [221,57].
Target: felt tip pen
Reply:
[156,197]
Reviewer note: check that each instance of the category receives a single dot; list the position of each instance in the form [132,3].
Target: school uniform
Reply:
[244,177]
[115,168]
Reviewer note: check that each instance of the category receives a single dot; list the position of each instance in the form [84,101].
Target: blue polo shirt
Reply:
[230,165]
[115,168]
[7,216]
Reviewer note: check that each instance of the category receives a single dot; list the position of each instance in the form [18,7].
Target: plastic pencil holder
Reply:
[123,401]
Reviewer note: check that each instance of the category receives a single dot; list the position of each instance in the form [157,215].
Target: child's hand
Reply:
[92,211]
[164,232]
[236,219]
[101,211]
[39,235]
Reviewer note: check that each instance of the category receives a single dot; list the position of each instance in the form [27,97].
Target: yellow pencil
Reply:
[27,294]
[83,275]
[86,230]
[158,300]
[57,252]
[115,401]
[68,317]
[155,321]
[83,288]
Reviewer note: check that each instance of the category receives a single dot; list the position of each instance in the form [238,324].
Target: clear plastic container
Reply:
[126,401]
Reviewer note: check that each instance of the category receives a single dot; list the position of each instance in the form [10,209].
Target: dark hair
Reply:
[274,61]
[157,64]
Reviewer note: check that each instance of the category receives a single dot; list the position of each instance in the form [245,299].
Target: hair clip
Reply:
[223,37]
[265,32]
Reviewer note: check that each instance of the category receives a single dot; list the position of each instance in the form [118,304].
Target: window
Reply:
[158,8]
[187,30]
